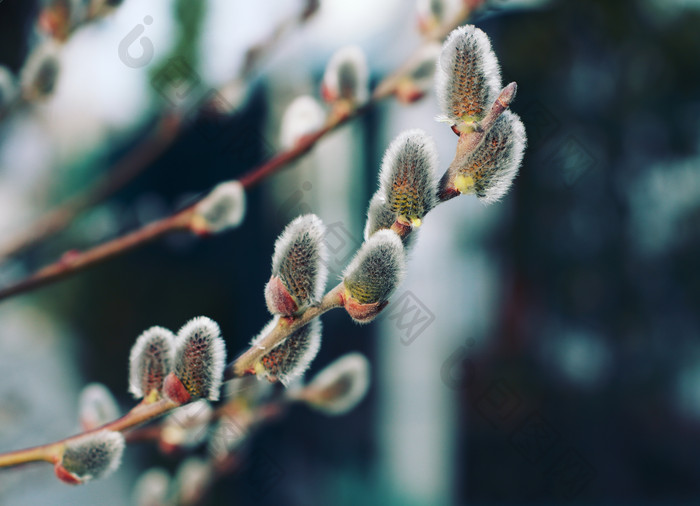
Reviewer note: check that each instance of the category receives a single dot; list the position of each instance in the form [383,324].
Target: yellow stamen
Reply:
[465,184]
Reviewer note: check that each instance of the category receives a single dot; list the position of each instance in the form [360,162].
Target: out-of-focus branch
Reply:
[165,132]
[182,220]
[117,177]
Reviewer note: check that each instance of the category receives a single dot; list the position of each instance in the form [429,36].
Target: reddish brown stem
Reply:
[74,261]
[117,177]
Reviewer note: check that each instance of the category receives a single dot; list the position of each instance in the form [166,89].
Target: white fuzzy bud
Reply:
[407,177]
[468,77]
[222,209]
[151,488]
[187,426]
[94,455]
[433,14]
[40,72]
[59,17]
[200,356]
[376,270]
[289,359]
[339,387]
[150,361]
[489,171]
[298,266]
[192,480]
[99,8]
[422,70]
[302,117]
[347,76]
[96,406]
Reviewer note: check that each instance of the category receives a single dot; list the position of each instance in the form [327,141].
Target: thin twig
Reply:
[52,452]
[163,135]
[74,261]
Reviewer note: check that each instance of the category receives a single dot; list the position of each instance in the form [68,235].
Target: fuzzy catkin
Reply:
[379,215]
[93,456]
[299,260]
[423,69]
[407,177]
[377,269]
[200,357]
[340,386]
[303,116]
[468,79]
[347,75]
[96,406]
[292,357]
[40,72]
[150,361]
[494,164]
[439,11]
[224,207]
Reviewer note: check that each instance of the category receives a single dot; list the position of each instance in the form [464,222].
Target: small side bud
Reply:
[298,267]
[40,72]
[379,215]
[222,209]
[96,406]
[419,76]
[303,116]
[151,488]
[339,387]
[373,275]
[435,14]
[489,171]
[407,177]
[288,360]
[100,8]
[192,480]
[92,456]
[58,17]
[150,361]
[186,427]
[347,77]
[200,357]
[468,77]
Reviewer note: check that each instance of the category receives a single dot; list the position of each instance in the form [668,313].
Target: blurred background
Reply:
[547,350]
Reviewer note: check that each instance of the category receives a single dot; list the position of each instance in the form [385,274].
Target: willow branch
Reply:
[163,135]
[74,261]
[284,328]
[52,452]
